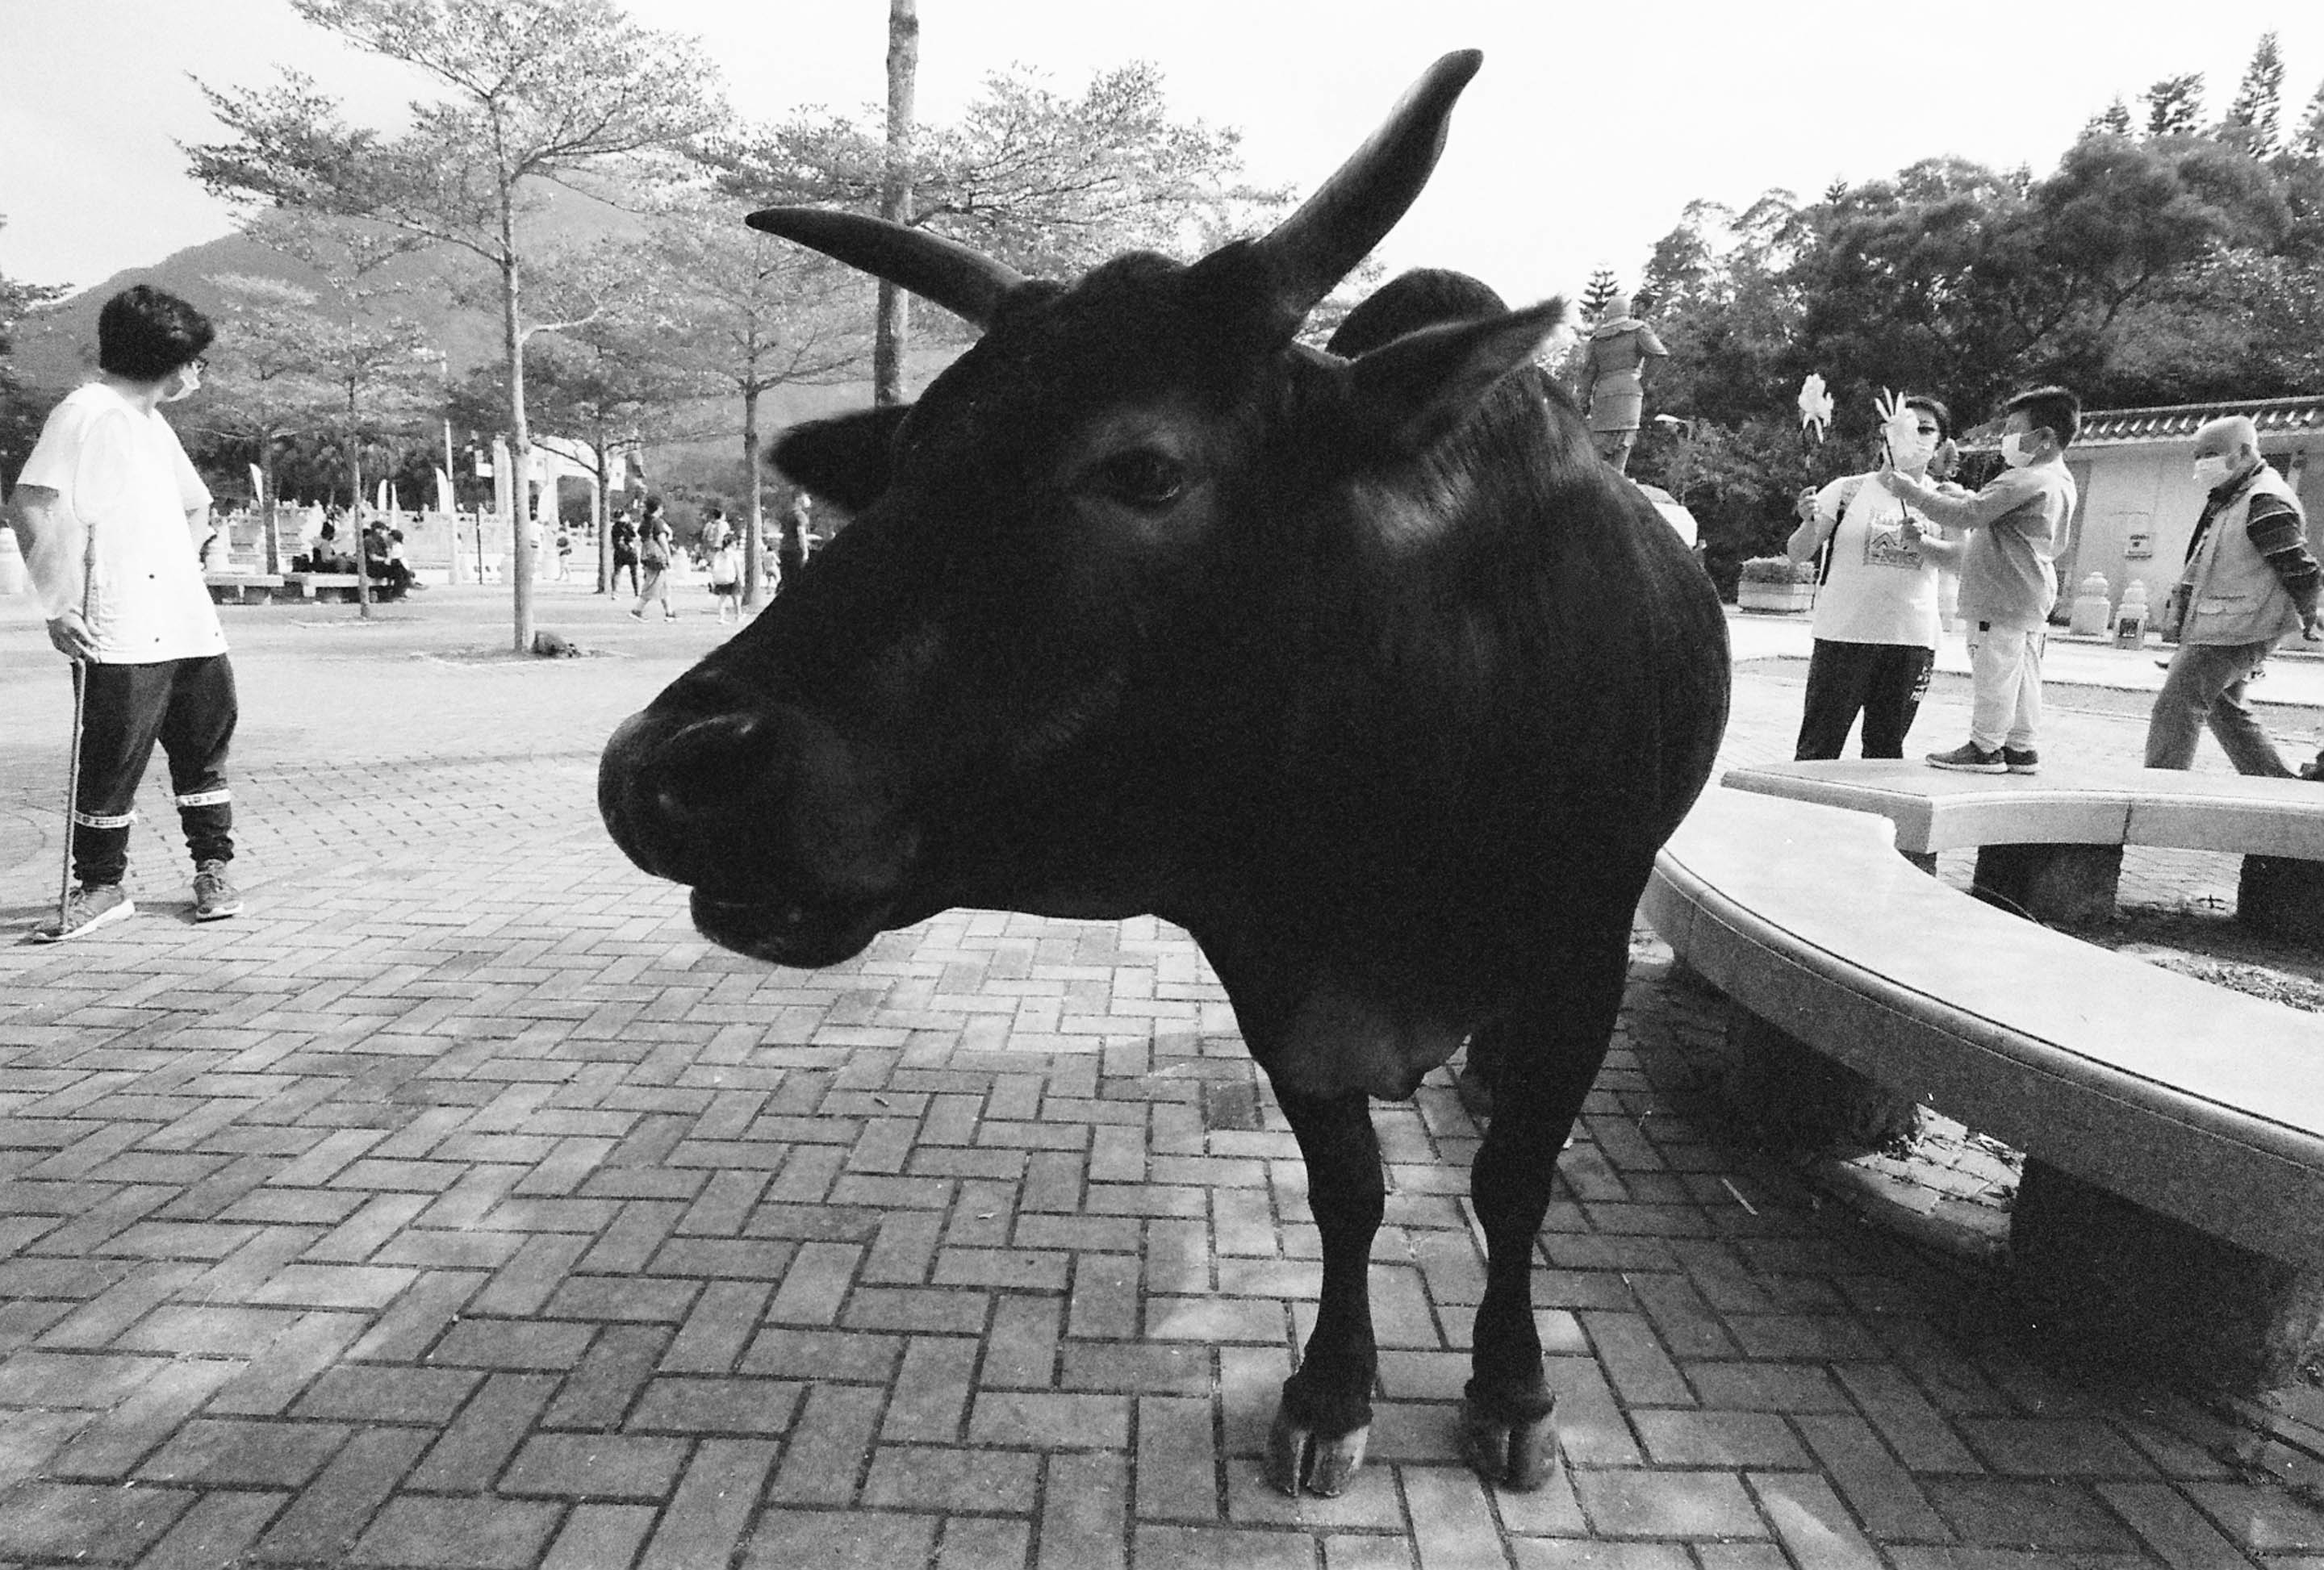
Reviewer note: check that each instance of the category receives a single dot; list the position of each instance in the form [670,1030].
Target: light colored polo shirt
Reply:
[120,472]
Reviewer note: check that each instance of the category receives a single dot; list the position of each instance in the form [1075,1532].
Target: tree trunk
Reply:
[273,527]
[752,590]
[604,512]
[519,551]
[892,335]
[355,510]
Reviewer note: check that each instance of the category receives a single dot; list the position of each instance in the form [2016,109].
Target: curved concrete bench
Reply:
[2052,847]
[2173,1192]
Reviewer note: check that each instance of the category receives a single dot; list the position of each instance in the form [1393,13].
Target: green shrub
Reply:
[1776,570]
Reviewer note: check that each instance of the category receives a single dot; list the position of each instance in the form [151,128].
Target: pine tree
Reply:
[2174,106]
[2253,120]
[2113,120]
[1601,287]
[2309,140]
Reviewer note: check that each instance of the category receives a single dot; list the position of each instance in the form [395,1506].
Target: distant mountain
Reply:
[56,346]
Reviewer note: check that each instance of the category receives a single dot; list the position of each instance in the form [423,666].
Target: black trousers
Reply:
[1884,681]
[189,706]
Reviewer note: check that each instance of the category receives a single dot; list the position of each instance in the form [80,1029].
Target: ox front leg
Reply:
[1325,1419]
[1545,1063]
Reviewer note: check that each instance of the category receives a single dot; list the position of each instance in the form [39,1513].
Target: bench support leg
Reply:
[2050,883]
[1802,1100]
[2281,896]
[2114,1280]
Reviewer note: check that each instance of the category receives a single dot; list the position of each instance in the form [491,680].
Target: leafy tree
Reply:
[605,382]
[266,383]
[19,415]
[754,314]
[2174,106]
[2310,140]
[538,91]
[2138,271]
[2253,120]
[1049,184]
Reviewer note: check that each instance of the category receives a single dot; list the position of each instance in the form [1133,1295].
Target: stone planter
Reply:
[1776,597]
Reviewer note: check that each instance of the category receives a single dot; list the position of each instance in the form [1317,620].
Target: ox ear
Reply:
[845,459]
[1412,392]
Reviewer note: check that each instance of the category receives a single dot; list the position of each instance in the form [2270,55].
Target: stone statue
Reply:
[1614,365]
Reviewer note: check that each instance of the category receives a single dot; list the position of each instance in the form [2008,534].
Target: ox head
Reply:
[1031,673]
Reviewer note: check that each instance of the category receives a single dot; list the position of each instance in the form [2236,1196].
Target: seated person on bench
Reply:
[380,561]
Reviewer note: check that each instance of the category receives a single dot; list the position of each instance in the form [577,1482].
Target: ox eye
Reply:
[1142,478]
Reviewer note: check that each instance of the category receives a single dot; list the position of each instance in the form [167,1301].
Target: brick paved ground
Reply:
[459,1207]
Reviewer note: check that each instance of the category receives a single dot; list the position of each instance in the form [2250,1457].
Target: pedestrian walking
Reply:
[725,570]
[2249,580]
[654,546]
[625,541]
[107,510]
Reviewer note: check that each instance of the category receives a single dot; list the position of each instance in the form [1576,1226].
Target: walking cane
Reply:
[72,789]
[80,714]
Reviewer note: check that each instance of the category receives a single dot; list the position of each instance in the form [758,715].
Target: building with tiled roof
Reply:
[2139,498]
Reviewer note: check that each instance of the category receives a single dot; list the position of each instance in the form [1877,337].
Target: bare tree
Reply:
[265,384]
[754,314]
[539,91]
[1050,184]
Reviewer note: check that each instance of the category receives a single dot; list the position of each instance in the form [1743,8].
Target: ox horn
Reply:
[965,283]
[1318,246]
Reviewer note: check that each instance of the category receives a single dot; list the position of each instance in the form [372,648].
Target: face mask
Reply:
[2017,449]
[1907,447]
[2211,473]
[189,381]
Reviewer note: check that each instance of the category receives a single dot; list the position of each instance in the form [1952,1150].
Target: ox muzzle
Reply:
[793,852]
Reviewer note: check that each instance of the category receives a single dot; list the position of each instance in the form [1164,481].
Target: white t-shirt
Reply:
[1882,588]
[120,471]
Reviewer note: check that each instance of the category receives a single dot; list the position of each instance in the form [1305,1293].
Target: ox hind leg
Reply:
[1321,1428]
[1546,1057]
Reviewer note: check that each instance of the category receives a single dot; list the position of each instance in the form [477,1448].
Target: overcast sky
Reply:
[1590,126]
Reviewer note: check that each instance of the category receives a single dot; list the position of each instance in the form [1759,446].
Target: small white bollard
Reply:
[2130,617]
[2092,607]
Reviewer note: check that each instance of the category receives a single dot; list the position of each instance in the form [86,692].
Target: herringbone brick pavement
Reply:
[458,1205]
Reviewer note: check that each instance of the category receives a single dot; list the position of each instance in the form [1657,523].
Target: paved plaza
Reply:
[458,1205]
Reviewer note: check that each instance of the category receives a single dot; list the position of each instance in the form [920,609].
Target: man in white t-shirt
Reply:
[111,516]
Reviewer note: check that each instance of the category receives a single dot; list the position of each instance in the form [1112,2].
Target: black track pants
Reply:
[187,705]
[1884,681]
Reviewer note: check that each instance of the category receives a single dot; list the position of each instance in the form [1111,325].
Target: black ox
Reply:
[1363,671]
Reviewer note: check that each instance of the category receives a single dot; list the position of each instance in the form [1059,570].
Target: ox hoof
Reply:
[1321,1464]
[1516,1454]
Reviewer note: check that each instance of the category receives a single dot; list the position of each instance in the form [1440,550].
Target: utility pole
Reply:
[893,334]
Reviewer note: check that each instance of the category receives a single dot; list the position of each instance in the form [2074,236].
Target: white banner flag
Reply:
[257,486]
